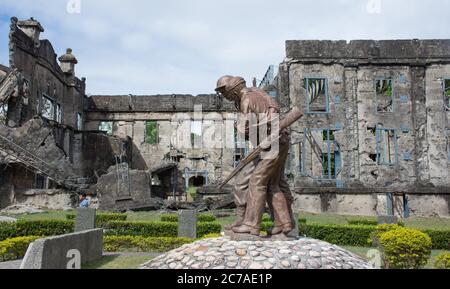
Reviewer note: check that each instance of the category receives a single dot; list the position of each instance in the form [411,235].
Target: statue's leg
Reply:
[256,198]
[241,188]
[281,197]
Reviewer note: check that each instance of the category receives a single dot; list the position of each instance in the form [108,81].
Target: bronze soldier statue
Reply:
[262,179]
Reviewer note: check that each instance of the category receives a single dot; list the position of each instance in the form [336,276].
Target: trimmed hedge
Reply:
[102,218]
[15,248]
[346,235]
[439,238]
[200,218]
[23,228]
[362,222]
[143,244]
[157,229]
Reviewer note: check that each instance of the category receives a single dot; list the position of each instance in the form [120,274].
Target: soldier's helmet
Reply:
[226,84]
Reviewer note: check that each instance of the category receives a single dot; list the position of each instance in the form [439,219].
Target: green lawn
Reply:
[118,262]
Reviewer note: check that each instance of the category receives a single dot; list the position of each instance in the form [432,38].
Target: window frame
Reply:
[381,159]
[46,97]
[107,132]
[392,96]
[327,96]
[157,140]
[446,97]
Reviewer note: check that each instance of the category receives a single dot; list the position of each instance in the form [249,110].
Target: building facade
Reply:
[374,139]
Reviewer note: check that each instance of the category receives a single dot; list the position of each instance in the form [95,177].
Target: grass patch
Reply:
[118,262]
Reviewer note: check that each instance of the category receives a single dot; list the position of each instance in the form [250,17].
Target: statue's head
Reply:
[229,86]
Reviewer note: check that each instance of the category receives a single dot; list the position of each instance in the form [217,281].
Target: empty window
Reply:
[106,126]
[448,143]
[320,154]
[386,146]
[151,132]
[196,134]
[384,95]
[317,94]
[58,113]
[447,94]
[79,121]
[48,108]
[3,113]
[40,182]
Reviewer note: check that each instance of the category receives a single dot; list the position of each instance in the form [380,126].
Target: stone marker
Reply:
[187,224]
[85,219]
[7,219]
[64,251]
[387,219]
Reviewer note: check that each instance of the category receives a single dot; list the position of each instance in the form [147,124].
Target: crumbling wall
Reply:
[119,193]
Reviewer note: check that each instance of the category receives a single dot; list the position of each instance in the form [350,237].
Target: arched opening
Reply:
[197,181]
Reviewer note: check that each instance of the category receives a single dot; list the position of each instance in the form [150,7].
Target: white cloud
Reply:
[179,46]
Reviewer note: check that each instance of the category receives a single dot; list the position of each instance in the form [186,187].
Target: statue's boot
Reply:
[284,222]
[240,214]
[245,229]
[253,212]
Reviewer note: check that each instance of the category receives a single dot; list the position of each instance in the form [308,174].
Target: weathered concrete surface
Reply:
[131,191]
[51,252]
[7,219]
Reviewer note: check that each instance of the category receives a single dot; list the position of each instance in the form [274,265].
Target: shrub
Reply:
[405,248]
[439,238]
[200,218]
[211,235]
[347,235]
[157,229]
[143,244]
[7,230]
[374,238]
[442,261]
[362,222]
[15,248]
[102,218]
[43,228]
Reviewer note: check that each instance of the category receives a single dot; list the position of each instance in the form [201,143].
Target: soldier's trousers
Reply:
[263,181]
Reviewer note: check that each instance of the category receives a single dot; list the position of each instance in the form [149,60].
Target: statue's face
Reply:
[222,93]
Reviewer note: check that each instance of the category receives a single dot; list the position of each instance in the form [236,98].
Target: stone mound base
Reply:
[224,253]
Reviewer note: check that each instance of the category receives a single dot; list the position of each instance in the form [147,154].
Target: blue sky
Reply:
[183,46]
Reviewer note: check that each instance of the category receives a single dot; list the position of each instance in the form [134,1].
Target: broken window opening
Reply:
[48,108]
[300,157]
[386,146]
[321,154]
[151,132]
[317,95]
[447,94]
[196,134]
[197,181]
[58,113]
[106,126]
[3,113]
[40,182]
[241,147]
[448,143]
[384,95]
[79,121]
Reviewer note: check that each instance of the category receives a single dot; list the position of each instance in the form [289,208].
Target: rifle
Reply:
[291,117]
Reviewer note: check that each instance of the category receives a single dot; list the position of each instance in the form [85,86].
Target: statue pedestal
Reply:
[225,253]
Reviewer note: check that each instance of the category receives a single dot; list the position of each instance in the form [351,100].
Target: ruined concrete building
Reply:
[374,140]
